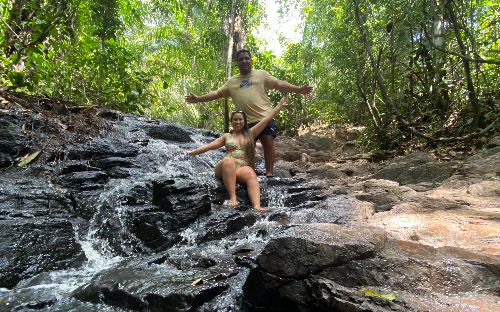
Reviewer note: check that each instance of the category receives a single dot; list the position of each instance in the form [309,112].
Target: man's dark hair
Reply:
[242,51]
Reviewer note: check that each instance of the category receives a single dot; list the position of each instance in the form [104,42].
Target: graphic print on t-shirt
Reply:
[245,82]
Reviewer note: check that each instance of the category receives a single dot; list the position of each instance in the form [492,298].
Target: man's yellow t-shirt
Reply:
[249,93]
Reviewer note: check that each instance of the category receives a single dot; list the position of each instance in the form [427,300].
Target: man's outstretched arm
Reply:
[284,86]
[214,95]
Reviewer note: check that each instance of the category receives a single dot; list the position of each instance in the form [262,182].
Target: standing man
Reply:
[248,90]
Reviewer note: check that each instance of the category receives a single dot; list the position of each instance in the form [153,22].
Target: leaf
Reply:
[470,120]
[198,281]
[15,77]
[391,296]
[32,4]
[165,85]
[54,32]
[33,50]
[6,61]
[18,46]
[28,159]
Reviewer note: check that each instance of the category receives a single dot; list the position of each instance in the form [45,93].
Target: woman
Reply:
[239,162]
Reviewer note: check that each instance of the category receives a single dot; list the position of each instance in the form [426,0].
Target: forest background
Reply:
[425,69]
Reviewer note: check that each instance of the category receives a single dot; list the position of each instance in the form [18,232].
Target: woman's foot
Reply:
[232,202]
[261,208]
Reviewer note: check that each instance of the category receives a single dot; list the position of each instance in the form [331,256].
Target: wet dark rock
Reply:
[103,148]
[83,180]
[110,114]
[140,288]
[183,199]
[13,139]
[29,247]
[224,226]
[112,162]
[168,131]
[32,197]
[77,166]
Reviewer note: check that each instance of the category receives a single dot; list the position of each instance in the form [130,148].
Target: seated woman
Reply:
[239,163]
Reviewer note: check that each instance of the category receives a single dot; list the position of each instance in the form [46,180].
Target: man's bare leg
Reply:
[267,142]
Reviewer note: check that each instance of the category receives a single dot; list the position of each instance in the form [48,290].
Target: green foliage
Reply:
[428,87]
[146,58]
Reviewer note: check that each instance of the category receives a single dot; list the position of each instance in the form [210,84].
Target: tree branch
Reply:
[388,102]
[9,26]
[460,55]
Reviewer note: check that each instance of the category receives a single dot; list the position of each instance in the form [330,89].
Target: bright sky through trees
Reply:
[275,25]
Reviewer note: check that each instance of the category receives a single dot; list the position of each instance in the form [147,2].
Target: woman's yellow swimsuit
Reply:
[236,152]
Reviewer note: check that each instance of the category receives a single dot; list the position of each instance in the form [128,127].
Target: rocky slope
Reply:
[112,215]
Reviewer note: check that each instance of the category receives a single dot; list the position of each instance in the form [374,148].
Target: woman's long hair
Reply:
[247,135]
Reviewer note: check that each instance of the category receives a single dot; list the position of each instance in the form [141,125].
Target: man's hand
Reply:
[191,98]
[284,86]
[305,89]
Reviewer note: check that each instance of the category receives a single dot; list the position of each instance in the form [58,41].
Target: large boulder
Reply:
[415,168]
[322,267]
[29,246]
[134,286]
[483,165]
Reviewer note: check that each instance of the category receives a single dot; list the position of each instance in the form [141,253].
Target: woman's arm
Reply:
[218,143]
[257,129]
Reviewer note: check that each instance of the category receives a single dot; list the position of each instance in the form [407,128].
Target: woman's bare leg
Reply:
[226,171]
[246,175]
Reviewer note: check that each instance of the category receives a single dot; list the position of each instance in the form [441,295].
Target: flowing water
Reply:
[226,238]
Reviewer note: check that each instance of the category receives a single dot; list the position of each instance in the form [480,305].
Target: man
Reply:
[248,90]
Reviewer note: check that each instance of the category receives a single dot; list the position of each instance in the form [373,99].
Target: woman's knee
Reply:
[246,174]
[228,163]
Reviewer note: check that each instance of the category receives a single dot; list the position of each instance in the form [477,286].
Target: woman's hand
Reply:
[283,101]
[189,152]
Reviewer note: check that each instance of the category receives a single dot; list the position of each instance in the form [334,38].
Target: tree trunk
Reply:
[228,62]
[463,50]
[374,113]
[440,94]
[103,45]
